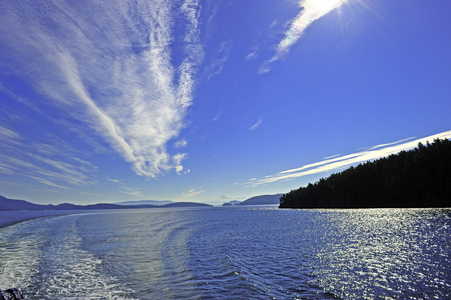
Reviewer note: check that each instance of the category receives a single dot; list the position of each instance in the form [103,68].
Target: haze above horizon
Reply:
[212,101]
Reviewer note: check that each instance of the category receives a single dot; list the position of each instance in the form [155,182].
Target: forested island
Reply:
[417,178]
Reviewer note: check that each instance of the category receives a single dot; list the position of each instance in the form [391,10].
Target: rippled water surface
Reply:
[231,253]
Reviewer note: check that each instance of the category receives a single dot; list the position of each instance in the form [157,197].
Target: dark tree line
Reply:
[417,178]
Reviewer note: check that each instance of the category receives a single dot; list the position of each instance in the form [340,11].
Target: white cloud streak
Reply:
[43,163]
[252,53]
[110,66]
[132,191]
[8,136]
[340,162]
[311,10]
[255,126]
[113,180]
[219,59]
[181,143]
[189,194]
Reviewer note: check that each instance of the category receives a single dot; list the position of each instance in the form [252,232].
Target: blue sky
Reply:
[212,101]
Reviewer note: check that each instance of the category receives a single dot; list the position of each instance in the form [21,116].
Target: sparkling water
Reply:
[231,253]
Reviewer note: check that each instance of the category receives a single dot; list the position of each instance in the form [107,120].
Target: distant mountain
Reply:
[145,202]
[232,203]
[262,200]
[16,205]
[66,206]
[12,204]
[115,206]
[186,204]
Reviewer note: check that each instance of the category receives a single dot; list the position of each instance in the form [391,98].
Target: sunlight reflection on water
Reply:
[386,252]
[317,254]
[232,253]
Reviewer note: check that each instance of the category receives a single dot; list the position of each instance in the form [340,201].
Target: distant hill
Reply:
[417,178]
[145,202]
[20,205]
[12,204]
[186,204]
[262,200]
[16,205]
[231,203]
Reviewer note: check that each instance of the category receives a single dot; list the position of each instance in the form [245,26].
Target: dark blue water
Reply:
[231,253]
[12,217]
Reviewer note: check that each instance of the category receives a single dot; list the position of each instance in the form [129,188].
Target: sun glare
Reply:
[322,6]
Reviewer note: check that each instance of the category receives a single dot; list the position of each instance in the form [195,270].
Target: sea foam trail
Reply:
[148,248]
[47,262]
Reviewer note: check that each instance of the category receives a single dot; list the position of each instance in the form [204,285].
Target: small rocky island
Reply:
[417,178]
[11,294]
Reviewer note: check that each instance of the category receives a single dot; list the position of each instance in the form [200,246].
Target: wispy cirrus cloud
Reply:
[255,126]
[311,10]
[44,163]
[113,180]
[181,143]
[219,59]
[110,66]
[339,162]
[133,192]
[217,117]
[8,135]
[252,53]
[189,194]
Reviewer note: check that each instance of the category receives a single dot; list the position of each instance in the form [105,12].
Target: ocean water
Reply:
[231,253]
[12,217]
